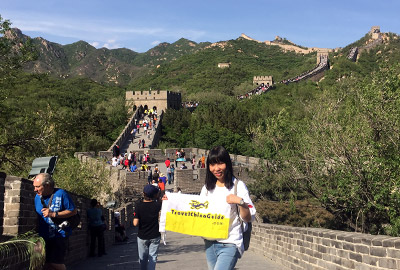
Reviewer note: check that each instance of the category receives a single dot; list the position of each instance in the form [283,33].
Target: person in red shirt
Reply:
[161,186]
[126,164]
[167,163]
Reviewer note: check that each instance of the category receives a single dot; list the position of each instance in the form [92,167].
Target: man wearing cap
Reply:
[146,217]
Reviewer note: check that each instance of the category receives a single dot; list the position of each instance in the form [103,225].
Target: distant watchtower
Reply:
[322,53]
[160,99]
[224,65]
[375,32]
[257,80]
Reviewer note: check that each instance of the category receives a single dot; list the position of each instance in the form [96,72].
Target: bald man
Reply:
[61,207]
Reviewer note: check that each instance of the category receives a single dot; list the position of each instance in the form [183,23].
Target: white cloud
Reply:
[155,43]
[111,35]
[111,44]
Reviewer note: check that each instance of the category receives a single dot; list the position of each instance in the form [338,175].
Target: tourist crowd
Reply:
[262,88]
[190,104]
[323,64]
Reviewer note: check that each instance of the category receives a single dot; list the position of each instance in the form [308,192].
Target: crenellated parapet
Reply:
[375,32]
[18,215]
[161,99]
[224,65]
[258,80]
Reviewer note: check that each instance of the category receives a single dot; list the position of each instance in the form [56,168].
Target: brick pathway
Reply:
[181,252]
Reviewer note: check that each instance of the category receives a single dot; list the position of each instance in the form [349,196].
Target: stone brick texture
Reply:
[292,247]
[19,216]
[316,248]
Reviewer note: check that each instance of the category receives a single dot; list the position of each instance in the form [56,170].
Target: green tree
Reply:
[346,154]
[88,179]
[16,137]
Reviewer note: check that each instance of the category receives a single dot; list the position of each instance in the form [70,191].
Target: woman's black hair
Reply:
[219,154]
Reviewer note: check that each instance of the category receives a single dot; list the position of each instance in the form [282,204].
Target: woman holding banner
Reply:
[220,182]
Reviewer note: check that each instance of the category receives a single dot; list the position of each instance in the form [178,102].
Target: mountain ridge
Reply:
[117,66]
[125,67]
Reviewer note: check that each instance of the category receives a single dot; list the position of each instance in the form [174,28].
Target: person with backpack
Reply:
[220,182]
[52,206]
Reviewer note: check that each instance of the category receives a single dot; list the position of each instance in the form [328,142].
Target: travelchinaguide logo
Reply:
[196,214]
[197,205]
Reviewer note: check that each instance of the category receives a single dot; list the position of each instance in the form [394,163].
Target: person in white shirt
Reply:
[223,254]
[114,161]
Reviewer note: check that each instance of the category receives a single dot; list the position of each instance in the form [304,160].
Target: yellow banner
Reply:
[195,215]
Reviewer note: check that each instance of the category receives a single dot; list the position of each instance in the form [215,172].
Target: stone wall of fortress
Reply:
[293,247]
[18,216]
[321,249]
[161,99]
[257,80]
[287,47]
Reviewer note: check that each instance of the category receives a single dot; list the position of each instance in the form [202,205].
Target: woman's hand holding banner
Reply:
[195,215]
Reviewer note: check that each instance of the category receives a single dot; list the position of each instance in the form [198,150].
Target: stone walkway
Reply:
[132,145]
[181,252]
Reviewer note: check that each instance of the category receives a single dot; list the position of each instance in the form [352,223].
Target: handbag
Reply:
[246,234]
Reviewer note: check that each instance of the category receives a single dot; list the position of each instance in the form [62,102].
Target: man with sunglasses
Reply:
[51,205]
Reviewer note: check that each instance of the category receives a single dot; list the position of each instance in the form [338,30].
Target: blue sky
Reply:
[141,25]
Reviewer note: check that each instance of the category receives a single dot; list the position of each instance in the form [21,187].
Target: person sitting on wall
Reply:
[133,167]
[119,228]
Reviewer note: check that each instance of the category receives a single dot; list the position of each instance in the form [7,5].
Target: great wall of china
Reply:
[292,247]
[288,47]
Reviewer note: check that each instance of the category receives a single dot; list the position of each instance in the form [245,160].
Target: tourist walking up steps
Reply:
[146,217]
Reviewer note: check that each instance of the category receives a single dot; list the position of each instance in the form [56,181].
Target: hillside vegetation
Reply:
[197,75]
[332,144]
[115,67]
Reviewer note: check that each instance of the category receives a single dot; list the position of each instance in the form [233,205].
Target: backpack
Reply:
[246,234]
[71,222]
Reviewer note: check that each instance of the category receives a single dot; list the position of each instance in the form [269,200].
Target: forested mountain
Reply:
[332,144]
[198,73]
[116,66]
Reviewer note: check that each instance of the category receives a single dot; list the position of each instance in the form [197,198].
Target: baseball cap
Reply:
[150,191]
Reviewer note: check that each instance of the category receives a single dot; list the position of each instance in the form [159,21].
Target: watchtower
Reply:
[161,99]
[375,32]
[224,65]
[257,80]
[323,54]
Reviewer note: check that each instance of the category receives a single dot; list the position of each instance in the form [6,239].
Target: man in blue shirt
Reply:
[61,207]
